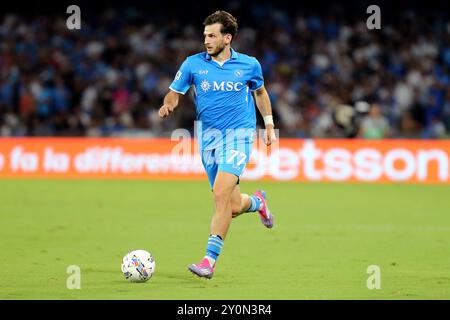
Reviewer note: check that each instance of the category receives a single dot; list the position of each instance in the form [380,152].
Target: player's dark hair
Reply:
[228,22]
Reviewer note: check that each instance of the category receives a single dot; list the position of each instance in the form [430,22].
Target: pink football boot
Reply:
[264,213]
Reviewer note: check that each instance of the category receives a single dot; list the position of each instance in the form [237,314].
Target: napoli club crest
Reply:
[238,73]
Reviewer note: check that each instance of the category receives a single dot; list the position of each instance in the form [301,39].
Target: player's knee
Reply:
[221,197]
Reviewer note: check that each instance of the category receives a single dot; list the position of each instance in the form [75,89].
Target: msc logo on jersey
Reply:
[222,86]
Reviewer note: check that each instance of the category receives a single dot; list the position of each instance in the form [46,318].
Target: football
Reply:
[138,266]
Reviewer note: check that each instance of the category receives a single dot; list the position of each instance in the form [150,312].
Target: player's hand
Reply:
[164,111]
[269,135]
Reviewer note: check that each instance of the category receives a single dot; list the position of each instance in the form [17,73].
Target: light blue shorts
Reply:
[230,158]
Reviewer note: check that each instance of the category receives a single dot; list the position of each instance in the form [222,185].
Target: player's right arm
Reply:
[170,103]
[179,86]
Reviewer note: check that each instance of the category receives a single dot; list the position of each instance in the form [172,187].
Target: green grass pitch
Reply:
[324,239]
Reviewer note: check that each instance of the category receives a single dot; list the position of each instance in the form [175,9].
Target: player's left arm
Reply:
[262,101]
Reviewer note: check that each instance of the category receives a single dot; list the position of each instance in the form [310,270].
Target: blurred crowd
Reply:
[327,74]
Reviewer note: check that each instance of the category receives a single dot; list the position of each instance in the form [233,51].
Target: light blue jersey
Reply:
[222,95]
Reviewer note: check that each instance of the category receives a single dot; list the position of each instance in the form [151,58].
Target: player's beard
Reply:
[218,50]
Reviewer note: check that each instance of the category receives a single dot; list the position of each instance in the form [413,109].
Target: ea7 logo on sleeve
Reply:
[178,75]
[203,72]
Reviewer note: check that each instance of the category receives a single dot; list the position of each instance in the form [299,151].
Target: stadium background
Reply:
[108,78]
[384,94]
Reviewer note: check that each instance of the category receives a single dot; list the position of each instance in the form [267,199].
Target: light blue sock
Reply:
[255,204]
[214,248]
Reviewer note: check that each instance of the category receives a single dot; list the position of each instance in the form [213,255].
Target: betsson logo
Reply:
[340,164]
[309,162]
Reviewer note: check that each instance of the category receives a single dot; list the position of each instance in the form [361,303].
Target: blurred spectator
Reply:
[374,125]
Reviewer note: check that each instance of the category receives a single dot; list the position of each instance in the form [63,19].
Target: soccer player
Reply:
[223,81]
